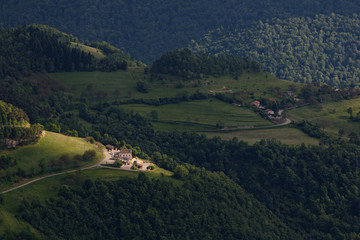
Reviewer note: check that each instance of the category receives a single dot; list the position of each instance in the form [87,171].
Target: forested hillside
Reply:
[35,48]
[204,206]
[322,49]
[183,63]
[146,29]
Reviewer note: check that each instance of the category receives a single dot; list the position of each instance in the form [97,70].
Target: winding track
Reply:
[107,157]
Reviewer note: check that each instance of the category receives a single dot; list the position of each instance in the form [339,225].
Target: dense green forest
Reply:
[12,116]
[14,125]
[322,49]
[183,63]
[146,29]
[27,49]
[34,48]
[204,206]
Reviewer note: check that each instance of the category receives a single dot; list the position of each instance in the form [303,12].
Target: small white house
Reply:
[269,112]
[124,154]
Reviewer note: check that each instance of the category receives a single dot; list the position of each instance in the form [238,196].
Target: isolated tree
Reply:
[142,86]
[181,172]
[89,155]
[43,166]
[341,132]
[154,115]
[117,92]
[350,111]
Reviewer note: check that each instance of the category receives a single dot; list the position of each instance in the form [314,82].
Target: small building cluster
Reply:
[124,155]
[257,104]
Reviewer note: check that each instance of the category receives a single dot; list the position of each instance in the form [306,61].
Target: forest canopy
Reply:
[322,49]
[204,206]
[147,29]
[183,63]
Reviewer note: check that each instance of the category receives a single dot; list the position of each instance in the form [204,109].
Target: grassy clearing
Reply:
[97,53]
[51,146]
[125,81]
[182,126]
[206,112]
[258,84]
[90,82]
[329,119]
[286,135]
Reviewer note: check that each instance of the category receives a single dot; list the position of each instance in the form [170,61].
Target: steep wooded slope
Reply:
[322,49]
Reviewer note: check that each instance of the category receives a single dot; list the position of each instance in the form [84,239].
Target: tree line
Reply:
[34,48]
[187,65]
[15,125]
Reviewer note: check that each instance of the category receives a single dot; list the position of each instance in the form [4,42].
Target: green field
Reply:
[329,119]
[92,82]
[194,116]
[51,146]
[257,85]
[286,135]
[202,112]
[124,82]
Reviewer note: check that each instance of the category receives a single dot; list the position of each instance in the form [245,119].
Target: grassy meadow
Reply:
[196,116]
[257,85]
[202,113]
[288,135]
[90,82]
[332,117]
[51,146]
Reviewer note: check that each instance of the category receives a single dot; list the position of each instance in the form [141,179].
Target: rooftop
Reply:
[125,151]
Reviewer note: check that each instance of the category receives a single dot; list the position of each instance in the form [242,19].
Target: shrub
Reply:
[89,155]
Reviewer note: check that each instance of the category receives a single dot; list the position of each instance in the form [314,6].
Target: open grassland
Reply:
[286,135]
[92,82]
[207,112]
[258,85]
[89,83]
[97,53]
[51,146]
[46,188]
[332,117]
